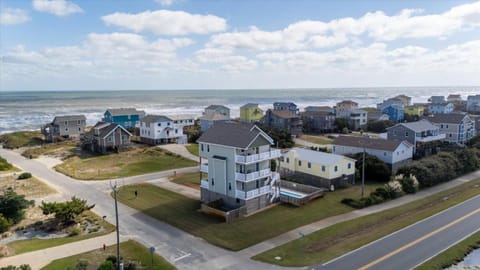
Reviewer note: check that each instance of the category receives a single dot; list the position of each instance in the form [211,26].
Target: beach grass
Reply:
[21,139]
[23,246]
[31,188]
[183,213]
[134,162]
[192,148]
[64,148]
[189,179]
[316,139]
[131,251]
[329,243]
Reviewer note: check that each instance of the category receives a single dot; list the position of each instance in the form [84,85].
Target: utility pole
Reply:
[115,191]
[363,172]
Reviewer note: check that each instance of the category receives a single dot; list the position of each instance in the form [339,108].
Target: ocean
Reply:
[30,110]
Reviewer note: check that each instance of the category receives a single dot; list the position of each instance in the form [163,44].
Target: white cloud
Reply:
[166,2]
[167,22]
[13,16]
[56,7]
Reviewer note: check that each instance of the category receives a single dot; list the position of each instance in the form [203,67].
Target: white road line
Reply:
[182,257]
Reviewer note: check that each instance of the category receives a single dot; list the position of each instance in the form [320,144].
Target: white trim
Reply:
[118,126]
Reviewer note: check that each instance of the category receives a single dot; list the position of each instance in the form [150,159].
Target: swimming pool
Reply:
[292,194]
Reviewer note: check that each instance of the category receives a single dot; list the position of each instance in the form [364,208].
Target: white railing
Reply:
[204,184]
[258,157]
[431,138]
[204,168]
[253,193]
[245,177]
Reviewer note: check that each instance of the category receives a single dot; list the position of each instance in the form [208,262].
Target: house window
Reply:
[323,168]
[201,146]
[78,122]
[336,168]
[398,153]
[349,165]
[66,123]
[450,135]
[66,129]
[109,139]
[208,147]
[309,165]
[334,149]
[257,184]
[446,126]
[299,163]
[159,124]
[384,154]
[406,133]
[229,186]
[168,124]
[213,182]
[441,126]
[176,131]
[288,160]
[79,129]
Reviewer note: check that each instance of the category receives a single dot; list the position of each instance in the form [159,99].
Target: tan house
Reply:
[458,128]
[104,137]
[64,127]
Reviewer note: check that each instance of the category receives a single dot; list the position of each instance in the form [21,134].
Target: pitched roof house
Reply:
[126,117]
[250,113]
[318,121]
[159,129]
[104,137]
[458,128]
[64,127]
[283,120]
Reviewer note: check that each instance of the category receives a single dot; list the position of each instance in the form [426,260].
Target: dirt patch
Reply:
[32,188]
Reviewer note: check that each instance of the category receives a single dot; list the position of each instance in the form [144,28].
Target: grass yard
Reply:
[134,162]
[452,255]
[189,179]
[192,148]
[331,242]
[5,166]
[63,149]
[316,139]
[23,246]
[21,139]
[32,187]
[129,250]
[182,212]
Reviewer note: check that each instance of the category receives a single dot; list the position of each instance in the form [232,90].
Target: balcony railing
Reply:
[204,168]
[253,193]
[258,157]
[431,138]
[245,177]
[204,184]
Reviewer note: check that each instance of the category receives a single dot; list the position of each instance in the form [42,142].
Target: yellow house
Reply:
[318,168]
[414,110]
[250,113]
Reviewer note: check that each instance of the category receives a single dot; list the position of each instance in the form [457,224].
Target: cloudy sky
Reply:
[212,44]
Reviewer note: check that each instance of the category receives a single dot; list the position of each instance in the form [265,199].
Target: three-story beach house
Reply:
[126,117]
[239,173]
[64,127]
[160,129]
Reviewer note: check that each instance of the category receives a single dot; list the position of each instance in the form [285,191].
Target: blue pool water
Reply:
[291,194]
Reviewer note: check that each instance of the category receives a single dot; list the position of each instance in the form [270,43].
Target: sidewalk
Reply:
[327,222]
[177,188]
[40,258]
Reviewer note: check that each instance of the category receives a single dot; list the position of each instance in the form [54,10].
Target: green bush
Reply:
[12,206]
[375,169]
[5,223]
[81,265]
[106,265]
[24,175]
[408,185]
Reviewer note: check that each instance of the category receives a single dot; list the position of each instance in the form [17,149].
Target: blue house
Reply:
[440,108]
[126,117]
[395,113]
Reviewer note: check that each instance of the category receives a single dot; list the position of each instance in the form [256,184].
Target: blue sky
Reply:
[186,44]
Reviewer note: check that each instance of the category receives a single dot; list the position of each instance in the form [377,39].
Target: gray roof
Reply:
[154,119]
[215,107]
[214,116]
[106,128]
[284,103]
[125,111]
[418,126]
[369,143]
[233,134]
[64,118]
[284,114]
[318,156]
[250,105]
[450,118]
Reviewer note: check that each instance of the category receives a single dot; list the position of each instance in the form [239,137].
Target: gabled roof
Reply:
[418,126]
[64,118]
[249,105]
[369,143]
[449,118]
[233,134]
[125,111]
[155,119]
[215,107]
[318,157]
[284,114]
[105,128]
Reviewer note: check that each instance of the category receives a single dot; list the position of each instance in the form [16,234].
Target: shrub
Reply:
[409,183]
[13,205]
[24,175]
[66,211]
[81,265]
[75,231]
[112,258]
[106,265]
[5,223]
[375,169]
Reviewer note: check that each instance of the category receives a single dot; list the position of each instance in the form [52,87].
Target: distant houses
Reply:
[318,168]
[160,129]
[441,108]
[317,122]
[356,118]
[283,120]
[414,110]
[214,114]
[286,106]
[458,128]
[238,171]
[126,117]
[396,113]
[105,137]
[250,113]
[394,153]
[473,104]
[64,127]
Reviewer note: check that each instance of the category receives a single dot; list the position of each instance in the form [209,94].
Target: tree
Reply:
[375,169]
[66,211]
[379,126]
[12,206]
[340,124]
[280,137]
[5,223]
[106,265]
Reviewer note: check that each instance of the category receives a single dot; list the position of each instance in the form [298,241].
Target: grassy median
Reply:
[192,148]
[182,212]
[124,164]
[189,179]
[331,242]
[130,251]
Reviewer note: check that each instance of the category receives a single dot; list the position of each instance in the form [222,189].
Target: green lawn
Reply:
[124,164]
[5,166]
[64,148]
[192,148]
[182,212]
[130,251]
[21,139]
[316,139]
[331,242]
[23,246]
[452,255]
[189,179]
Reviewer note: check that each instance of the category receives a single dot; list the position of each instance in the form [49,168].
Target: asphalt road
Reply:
[415,244]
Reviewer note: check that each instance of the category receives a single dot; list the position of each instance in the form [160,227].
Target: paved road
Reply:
[415,244]
[178,247]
